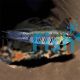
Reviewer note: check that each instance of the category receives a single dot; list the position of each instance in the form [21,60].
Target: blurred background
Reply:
[13,12]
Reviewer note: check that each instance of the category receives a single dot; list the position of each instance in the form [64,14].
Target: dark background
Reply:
[15,11]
